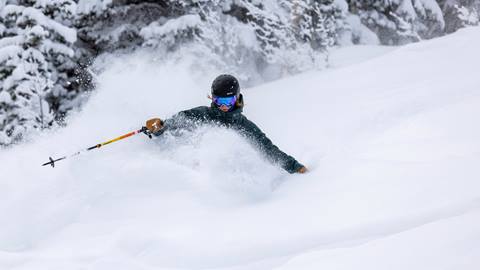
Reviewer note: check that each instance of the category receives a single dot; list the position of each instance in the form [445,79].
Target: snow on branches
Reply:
[33,52]
[249,37]
[400,21]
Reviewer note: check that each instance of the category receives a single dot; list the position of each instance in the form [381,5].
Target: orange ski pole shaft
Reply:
[142,130]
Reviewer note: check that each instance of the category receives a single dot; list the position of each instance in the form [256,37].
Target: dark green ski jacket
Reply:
[236,120]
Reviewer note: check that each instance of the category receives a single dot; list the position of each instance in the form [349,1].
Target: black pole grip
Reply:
[147,132]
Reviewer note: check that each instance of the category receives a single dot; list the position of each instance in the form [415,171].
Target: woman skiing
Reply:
[226,110]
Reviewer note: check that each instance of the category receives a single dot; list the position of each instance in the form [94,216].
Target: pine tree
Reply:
[400,21]
[107,26]
[30,47]
[61,56]
[460,13]
[317,22]
[250,35]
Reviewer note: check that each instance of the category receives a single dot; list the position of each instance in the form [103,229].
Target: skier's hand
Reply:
[154,125]
[303,169]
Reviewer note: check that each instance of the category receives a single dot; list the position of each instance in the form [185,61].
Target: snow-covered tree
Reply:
[232,42]
[318,22]
[400,21]
[32,48]
[466,16]
[61,56]
[460,13]
[205,30]
[170,35]
[245,35]
[106,25]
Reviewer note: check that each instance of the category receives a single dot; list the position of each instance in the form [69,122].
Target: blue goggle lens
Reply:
[227,101]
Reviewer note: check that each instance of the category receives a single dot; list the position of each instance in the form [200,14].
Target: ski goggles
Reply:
[225,101]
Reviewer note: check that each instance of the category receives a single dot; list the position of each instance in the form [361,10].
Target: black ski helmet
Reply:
[225,85]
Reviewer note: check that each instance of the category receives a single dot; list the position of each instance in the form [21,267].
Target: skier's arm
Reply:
[180,121]
[251,131]
[157,127]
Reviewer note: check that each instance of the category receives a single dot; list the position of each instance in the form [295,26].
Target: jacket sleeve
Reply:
[252,132]
[184,120]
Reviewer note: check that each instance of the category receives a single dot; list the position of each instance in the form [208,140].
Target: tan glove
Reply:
[154,125]
[302,170]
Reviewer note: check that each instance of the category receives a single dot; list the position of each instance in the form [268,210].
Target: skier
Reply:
[226,110]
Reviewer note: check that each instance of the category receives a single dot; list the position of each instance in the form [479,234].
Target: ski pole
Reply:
[142,130]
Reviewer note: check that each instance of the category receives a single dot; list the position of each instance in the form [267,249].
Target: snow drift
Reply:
[391,144]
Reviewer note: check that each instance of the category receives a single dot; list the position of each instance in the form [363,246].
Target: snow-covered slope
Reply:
[392,144]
